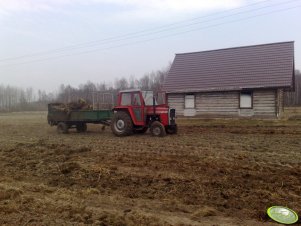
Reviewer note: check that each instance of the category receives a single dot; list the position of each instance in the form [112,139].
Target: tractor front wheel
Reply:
[122,124]
[157,129]
[62,128]
[172,129]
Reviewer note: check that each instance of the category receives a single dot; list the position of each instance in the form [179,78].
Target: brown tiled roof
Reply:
[249,67]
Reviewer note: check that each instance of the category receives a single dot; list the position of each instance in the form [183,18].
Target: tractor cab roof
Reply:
[130,90]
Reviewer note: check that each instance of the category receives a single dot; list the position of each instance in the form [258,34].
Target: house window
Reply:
[246,99]
[189,101]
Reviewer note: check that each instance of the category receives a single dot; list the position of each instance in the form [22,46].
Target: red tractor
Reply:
[137,110]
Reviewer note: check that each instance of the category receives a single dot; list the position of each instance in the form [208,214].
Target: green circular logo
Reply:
[282,215]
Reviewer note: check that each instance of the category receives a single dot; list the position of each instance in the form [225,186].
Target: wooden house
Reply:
[244,81]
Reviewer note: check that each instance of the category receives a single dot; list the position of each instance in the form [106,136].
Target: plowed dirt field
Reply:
[213,172]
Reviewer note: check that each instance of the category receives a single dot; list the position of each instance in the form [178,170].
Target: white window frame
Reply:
[246,100]
[189,101]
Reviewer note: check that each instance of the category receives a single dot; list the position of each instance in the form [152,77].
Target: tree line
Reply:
[19,99]
[99,94]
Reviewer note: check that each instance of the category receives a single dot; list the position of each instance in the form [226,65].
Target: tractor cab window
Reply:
[136,99]
[148,98]
[126,99]
[161,98]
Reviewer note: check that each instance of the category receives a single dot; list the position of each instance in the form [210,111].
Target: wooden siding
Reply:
[280,103]
[217,103]
[264,103]
[226,104]
[176,101]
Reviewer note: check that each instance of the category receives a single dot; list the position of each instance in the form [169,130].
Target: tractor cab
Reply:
[137,110]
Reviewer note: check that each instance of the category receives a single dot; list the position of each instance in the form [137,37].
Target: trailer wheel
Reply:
[171,129]
[62,128]
[157,129]
[122,124]
[82,127]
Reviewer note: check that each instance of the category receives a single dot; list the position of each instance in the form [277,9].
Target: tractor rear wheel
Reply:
[82,127]
[157,129]
[62,128]
[122,124]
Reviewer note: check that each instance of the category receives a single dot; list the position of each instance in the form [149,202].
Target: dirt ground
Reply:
[213,172]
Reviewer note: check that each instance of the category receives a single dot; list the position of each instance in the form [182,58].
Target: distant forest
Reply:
[100,94]
[19,99]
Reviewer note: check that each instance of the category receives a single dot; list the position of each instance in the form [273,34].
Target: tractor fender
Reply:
[124,109]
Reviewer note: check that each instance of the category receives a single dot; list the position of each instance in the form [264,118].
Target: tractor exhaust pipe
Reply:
[154,105]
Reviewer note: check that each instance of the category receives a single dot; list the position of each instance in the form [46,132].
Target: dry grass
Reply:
[214,172]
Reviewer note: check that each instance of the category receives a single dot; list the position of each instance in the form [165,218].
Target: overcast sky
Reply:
[44,43]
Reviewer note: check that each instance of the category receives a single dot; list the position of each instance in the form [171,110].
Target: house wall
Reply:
[264,102]
[176,101]
[217,103]
[226,104]
[280,103]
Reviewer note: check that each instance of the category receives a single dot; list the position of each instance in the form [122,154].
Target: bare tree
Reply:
[293,98]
